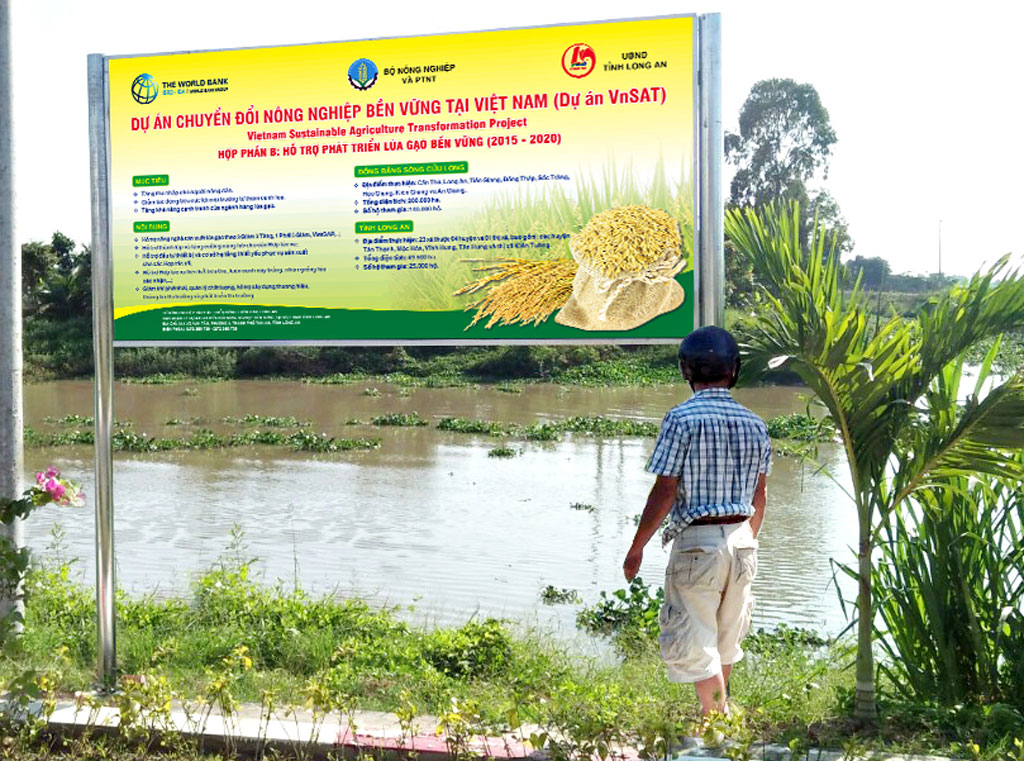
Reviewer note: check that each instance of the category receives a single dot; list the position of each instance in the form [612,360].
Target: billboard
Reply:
[524,185]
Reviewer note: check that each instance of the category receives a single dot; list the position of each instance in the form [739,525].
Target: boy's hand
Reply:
[659,503]
[634,558]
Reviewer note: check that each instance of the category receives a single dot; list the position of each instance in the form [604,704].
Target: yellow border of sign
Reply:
[686,18]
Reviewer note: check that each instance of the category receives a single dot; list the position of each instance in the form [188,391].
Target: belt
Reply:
[719,521]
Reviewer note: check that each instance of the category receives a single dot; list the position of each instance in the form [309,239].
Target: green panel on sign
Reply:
[240,322]
[144,180]
[395,226]
[151,227]
[404,170]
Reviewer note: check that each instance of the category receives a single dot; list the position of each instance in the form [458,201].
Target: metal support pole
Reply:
[710,237]
[11,411]
[103,348]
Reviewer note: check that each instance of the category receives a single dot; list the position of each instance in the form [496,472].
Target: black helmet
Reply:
[709,355]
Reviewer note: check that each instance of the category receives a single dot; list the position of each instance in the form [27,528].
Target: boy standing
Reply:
[711,460]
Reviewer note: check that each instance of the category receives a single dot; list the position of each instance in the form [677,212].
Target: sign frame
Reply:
[708,273]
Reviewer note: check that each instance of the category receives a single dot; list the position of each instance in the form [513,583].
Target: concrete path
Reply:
[297,732]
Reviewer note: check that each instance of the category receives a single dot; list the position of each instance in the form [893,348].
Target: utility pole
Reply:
[11,413]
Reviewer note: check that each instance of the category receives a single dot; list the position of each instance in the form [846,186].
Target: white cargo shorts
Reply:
[708,601]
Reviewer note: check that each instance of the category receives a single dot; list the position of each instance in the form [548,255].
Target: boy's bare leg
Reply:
[711,693]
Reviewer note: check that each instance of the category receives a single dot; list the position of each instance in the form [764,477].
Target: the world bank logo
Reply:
[362,74]
[144,89]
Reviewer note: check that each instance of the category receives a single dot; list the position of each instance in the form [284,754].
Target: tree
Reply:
[785,138]
[37,261]
[64,249]
[873,271]
[56,278]
[784,141]
[824,208]
[871,378]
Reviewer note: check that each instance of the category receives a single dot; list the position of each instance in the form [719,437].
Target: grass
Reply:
[793,685]
[364,652]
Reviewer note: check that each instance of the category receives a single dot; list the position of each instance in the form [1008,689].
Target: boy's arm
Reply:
[659,502]
[760,500]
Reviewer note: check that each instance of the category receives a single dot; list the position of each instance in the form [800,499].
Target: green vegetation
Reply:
[628,616]
[125,439]
[951,595]
[889,388]
[411,419]
[264,430]
[801,427]
[268,421]
[502,451]
[57,350]
[237,639]
[464,425]
[552,595]
[1009,353]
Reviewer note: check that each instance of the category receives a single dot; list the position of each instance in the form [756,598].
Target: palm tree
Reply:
[64,295]
[870,375]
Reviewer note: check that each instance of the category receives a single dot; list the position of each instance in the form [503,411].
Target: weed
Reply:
[629,616]
[552,595]
[267,421]
[411,419]
[502,451]
[801,427]
[464,425]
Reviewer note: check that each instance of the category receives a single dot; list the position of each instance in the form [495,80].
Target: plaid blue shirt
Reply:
[717,448]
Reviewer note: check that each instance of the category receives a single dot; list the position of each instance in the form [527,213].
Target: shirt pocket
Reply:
[694,567]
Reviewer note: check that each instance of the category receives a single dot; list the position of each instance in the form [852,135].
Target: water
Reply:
[429,520]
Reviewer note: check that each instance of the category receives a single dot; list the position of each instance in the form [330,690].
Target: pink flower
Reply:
[56,490]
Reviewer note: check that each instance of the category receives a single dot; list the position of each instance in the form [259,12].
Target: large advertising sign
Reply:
[520,185]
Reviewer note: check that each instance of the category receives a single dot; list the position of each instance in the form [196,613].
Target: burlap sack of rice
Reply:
[628,258]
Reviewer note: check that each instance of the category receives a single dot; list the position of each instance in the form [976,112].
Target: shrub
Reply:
[476,649]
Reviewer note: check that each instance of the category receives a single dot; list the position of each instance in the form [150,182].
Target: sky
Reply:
[924,97]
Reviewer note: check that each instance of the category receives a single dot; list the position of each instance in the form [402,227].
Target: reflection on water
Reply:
[429,519]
